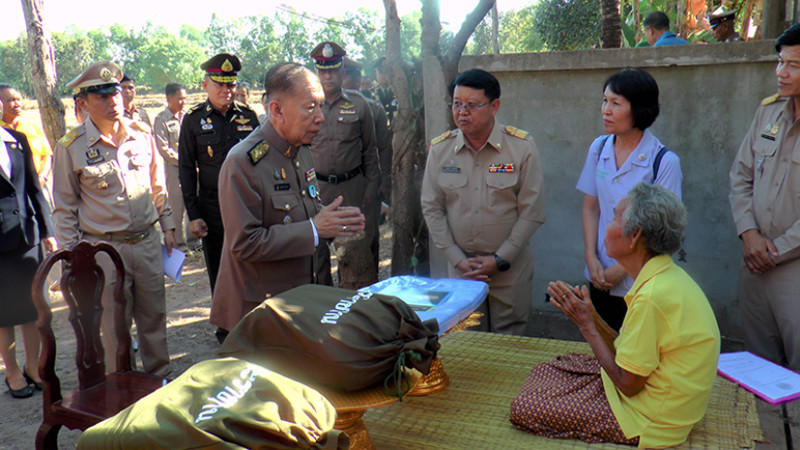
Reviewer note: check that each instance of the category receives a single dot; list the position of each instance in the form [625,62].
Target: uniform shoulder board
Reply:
[258,152]
[770,100]
[196,107]
[516,132]
[141,126]
[69,136]
[242,105]
[441,137]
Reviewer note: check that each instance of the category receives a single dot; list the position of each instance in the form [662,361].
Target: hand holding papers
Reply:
[173,265]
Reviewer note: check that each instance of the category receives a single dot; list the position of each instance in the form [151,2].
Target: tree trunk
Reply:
[495,30]
[407,142]
[610,25]
[43,67]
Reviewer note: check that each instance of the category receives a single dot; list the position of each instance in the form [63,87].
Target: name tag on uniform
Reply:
[768,137]
[451,170]
[283,187]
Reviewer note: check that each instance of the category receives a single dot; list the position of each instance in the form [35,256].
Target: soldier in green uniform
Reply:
[208,131]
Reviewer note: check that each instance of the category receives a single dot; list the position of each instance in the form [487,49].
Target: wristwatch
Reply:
[502,264]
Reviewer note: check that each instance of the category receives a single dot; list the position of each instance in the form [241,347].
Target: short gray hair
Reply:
[659,214]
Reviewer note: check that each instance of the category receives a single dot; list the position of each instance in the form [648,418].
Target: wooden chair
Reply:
[98,395]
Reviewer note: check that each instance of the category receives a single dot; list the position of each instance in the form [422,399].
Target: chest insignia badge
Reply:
[774,129]
[241,120]
[311,175]
[312,191]
[287,220]
[206,124]
[93,156]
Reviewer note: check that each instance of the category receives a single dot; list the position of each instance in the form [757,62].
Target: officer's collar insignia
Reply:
[774,129]
[93,156]
[258,152]
[227,66]
[208,107]
[241,120]
[13,145]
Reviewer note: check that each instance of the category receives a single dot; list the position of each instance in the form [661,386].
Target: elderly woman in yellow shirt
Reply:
[649,384]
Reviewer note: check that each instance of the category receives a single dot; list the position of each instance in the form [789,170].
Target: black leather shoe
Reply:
[25,392]
[30,380]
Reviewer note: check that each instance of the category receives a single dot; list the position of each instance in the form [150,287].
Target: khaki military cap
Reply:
[102,77]
[222,68]
[328,55]
[720,15]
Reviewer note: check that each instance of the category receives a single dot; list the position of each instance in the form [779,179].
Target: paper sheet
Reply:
[771,382]
[173,265]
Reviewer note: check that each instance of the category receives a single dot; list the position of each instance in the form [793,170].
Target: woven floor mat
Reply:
[487,370]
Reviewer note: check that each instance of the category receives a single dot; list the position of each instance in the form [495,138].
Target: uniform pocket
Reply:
[348,128]
[502,180]
[451,181]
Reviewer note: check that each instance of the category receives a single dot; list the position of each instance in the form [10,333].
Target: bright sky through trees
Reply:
[92,14]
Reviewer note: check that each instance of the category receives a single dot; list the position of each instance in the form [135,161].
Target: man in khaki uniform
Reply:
[167,130]
[269,198]
[483,198]
[108,186]
[765,181]
[345,150]
[131,111]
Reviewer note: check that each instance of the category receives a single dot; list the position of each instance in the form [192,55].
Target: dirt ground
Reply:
[190,339]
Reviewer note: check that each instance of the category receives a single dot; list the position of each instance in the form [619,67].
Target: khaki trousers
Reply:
[508,306]
[771,313]
[145,299]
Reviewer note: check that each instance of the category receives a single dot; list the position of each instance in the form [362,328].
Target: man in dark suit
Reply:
[24,220]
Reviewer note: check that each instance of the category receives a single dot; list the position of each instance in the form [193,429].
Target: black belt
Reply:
[341,178]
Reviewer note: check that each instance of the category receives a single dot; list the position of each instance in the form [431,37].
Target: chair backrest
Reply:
[82,282]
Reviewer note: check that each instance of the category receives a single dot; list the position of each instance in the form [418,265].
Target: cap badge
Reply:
[227,66]
[327,51]
[105,74]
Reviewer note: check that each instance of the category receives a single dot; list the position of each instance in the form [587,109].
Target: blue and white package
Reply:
[447,300]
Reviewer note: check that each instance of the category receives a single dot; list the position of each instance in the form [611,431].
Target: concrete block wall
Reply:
[708,94]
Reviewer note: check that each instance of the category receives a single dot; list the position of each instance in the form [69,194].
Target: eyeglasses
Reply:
[469,107]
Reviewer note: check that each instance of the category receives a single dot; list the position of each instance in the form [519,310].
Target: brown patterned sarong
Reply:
[565,399]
